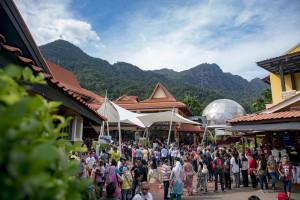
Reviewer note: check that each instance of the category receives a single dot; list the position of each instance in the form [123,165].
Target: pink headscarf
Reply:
[111,174]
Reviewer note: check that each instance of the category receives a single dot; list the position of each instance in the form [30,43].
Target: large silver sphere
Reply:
[221,110]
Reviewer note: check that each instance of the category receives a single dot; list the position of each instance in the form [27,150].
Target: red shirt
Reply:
[252,163]
[286,169]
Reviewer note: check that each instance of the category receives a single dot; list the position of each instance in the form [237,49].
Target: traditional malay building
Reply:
[18,47]
[279,124]
[162,100]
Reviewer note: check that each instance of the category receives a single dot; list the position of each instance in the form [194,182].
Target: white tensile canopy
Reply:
[117,114]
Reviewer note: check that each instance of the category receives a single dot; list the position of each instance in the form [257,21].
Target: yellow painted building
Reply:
[284,74]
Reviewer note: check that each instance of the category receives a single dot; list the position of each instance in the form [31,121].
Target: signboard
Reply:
[97,150]
[136,135]
[155,145]
[104,140]
[222,132]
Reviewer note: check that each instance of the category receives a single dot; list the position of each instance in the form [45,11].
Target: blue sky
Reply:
[174,34]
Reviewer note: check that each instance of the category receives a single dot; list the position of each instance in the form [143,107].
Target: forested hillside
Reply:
[205,82]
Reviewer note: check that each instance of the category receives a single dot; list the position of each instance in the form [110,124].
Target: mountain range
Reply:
[205,82]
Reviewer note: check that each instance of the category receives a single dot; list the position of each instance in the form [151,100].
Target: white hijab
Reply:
[178,167]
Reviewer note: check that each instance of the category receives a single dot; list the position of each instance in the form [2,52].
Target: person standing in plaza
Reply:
[235,168]
[145,154]
[153,169]
[145,194]
[227,172]
[262,172]
[285,171]
[244,169]
[138,153]
[177,179]
[99,177]
[90,162]
[218,166]
[136,174]
[125,186]
[103,156]
[113,177]
[133,155]
[252,171]
[202,175]
[83,172]
[189,174]
[165,174]
[271,164]
[164,153]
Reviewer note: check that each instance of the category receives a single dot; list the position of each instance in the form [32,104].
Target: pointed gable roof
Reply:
[128,99]
[160,92]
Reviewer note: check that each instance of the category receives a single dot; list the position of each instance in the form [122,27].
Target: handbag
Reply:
[172,181]
[255,172]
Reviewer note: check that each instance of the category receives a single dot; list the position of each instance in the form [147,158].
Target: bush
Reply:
[33,161]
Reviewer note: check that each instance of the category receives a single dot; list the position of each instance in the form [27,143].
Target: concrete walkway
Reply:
[234,194]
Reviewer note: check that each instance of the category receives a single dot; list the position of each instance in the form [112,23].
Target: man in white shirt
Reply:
[173,155]
[145,194]
[90,162]
[164,153]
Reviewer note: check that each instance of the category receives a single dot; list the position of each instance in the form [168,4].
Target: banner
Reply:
[222,132]
[136,135]
[104,140]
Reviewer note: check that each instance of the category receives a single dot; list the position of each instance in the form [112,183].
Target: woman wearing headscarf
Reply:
[189,174]
[271,164]
[248,154]
[114,177]
[177,177]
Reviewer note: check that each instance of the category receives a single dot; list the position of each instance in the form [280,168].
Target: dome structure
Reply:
[221,110]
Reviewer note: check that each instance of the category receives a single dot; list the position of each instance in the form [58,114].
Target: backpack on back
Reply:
[219,163]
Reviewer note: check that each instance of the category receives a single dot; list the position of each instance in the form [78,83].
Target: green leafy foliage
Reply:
[260,103]
[115,155]
[194,105]
[32,154]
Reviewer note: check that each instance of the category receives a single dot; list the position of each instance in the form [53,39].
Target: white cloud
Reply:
[232,34]
[52,20]
[234,37]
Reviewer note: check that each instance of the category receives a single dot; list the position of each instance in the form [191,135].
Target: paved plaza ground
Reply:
[233,194]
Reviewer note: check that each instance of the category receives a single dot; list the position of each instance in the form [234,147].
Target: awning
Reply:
[293,126]
[168,116]
[187,128]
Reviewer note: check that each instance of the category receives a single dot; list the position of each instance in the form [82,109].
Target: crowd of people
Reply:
[179,167]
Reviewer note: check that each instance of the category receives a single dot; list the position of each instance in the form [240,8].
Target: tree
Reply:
[260,103]
[33,161]
[194,105]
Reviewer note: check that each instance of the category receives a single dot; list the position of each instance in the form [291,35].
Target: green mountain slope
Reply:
[205,82]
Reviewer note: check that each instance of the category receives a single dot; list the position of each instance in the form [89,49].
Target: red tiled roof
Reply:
[63,75]
[68,79]
[15,52]
[266,80]
[158,100]
[153,105]
[167,93]
[189,128]
[127,99]
[269,116]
